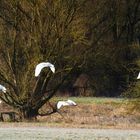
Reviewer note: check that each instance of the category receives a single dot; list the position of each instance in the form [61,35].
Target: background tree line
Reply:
[112,58]
[97,38]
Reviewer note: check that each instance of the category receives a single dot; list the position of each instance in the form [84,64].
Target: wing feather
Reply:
[2,88]
[138,76]
[42,65]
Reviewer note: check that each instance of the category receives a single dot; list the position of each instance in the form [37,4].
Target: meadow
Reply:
[90,112]
[96,113]
[91,119]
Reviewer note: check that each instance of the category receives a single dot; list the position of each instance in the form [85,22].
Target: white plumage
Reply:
[65,103]
[138,76]
[2,88]
[42,65]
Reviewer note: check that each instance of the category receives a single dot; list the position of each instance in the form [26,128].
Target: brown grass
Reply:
[104,113]
[108,115]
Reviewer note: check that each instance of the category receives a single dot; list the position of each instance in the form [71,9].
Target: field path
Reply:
[45,133]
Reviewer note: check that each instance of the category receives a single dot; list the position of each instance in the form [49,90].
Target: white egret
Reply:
[42,65]
[56,107]
[65,103]
[138,76]
[2,88]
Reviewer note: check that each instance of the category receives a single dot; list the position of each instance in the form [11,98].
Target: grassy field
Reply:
[91,113]
[111,118]
[98,100]
[96,113]
[90,100]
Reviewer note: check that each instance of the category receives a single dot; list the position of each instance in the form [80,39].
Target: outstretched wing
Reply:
[138,76]
[71,102]
[2,88]
[65,103]
[61,104]
[38,69]
[42,65]
[52,68]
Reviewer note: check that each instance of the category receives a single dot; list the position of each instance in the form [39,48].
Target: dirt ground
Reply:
[45,133]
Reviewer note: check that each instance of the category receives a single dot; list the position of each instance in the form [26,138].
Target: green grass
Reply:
[91,100]
[99,100]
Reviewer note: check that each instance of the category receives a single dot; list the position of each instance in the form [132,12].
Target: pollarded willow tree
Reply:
[31,32]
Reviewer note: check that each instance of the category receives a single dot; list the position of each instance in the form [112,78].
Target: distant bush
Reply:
[133,91]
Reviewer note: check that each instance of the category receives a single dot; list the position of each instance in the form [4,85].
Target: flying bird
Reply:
[42,65]
[58,105]
[65,103]
[138,76]
[2,88]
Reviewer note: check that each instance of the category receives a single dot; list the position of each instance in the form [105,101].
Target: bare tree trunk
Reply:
[28,114]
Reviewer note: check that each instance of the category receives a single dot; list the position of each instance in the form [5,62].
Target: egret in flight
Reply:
[2,88]
[65,103]
[56,107]
[138,76]
[42,65]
